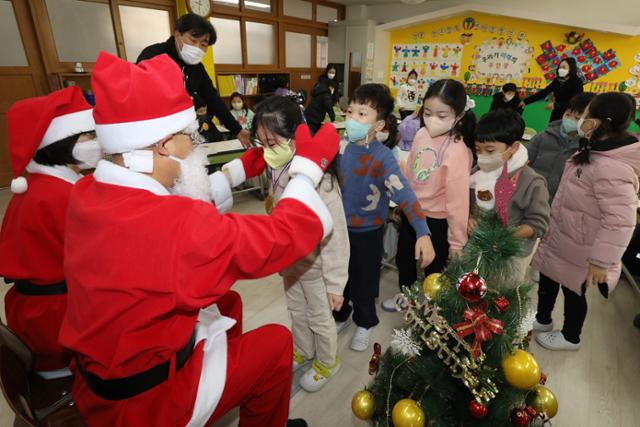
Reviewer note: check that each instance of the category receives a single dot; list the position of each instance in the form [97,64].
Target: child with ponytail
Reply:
[592,218]
[369,176]
[438,171]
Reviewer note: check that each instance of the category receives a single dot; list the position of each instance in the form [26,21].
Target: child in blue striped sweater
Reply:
[369,177]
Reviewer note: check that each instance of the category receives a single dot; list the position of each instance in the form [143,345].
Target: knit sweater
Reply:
[408,97]
[369,176]
[438,171]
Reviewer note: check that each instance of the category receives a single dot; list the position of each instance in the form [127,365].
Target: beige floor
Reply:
[598,386]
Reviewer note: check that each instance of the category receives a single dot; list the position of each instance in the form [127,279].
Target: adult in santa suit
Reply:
[145,265]
[52,138]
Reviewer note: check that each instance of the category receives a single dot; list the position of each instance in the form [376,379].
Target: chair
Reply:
[36,402]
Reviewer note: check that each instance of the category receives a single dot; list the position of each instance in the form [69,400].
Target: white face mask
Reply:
[508,98]
[437,126]
[382,136]
[193,181]
[563,72]
[190,54]
[413,82]
[490,162]
[88,153]
[237,105]
[331,75]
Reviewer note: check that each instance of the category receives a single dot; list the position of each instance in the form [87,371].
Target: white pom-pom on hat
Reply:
[19,185]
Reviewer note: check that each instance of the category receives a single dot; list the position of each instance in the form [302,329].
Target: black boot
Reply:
[298,422]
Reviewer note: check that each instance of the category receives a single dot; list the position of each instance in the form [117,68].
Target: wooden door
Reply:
[19,80]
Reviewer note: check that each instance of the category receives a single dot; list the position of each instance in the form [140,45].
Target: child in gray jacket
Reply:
[504,182]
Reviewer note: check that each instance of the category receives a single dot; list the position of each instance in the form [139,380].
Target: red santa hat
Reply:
[35,123]
[138,105]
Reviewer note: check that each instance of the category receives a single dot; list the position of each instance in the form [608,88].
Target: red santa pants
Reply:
[259,371]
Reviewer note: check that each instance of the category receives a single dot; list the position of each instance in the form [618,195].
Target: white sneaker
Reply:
[389,305]
[541,327]
[341,326]
[298,360]
[554,340]
[316,377]
[360,340]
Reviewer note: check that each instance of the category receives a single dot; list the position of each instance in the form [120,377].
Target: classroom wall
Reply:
[485,41]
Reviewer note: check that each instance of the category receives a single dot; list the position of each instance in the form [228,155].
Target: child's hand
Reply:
[424,251]
[471,225]
[335,301]
[245,138]
[596,275]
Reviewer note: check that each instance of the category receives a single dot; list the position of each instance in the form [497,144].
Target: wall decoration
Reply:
[501,60]
[429,60]
[592,64]
[467,26]
[573,37]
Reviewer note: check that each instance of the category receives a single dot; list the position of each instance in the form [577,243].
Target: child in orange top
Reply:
[438,171]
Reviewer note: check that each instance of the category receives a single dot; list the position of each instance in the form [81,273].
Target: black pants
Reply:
[364,278]
[575,308]
[405,256]
[405,113]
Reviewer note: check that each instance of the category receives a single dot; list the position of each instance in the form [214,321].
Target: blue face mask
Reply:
[569,126]
[356,131]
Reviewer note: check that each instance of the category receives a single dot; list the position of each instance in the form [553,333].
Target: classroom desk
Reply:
[223,152]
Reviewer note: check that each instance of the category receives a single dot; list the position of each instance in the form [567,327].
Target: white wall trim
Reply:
[571,21]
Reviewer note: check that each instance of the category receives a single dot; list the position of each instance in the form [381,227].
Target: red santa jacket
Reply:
[31,248]
[140,266]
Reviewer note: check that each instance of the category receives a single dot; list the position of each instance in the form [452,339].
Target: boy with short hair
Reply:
[507,99]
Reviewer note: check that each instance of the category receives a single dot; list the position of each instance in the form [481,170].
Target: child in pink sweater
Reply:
[438,171]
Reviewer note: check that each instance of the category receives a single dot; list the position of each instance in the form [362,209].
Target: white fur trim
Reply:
[58,171]
[19,185]
[70,124]
[301,189]
[303,166]
[110,173]
[221,192]
[122,137]
[236,172]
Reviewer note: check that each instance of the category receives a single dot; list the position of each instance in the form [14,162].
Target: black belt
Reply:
[125,388]
[26,287]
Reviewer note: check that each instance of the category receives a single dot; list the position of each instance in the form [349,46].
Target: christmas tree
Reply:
[462,360]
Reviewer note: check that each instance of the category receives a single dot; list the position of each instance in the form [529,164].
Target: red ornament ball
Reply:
[501,304]
[477,410]
[520,417]
[471,287]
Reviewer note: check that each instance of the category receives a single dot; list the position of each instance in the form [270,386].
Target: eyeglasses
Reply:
[195,136]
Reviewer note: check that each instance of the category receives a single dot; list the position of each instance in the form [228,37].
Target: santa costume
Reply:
[32,236]
[145,269]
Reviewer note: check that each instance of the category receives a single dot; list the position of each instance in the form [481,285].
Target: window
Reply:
[81,29]
[11,49]
[326,14]
[298,9]
[142,27]
[227,3]
[259,5]
[298,50]
[261,43]
[322,51]
[228,48]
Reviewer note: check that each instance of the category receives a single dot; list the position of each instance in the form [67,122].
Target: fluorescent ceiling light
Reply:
[246,3]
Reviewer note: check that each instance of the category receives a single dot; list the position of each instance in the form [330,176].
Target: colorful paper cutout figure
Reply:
[404,67]
[454,69]
[416,52]
[397,49]
[423,69]
[425,50]
[435,52]
[395,67]
[405,52]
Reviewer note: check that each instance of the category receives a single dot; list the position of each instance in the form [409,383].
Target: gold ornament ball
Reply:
[545,401]
[407,413]
[521,370]
[362,404]
[432,284]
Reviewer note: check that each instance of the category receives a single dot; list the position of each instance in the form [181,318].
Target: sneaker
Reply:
[316,377]
[389,305]
[360,340]
[541,327]
[298,422]
[341,326]
[298,360]
[555,340]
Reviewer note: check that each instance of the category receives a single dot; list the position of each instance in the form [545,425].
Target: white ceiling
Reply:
[606,12]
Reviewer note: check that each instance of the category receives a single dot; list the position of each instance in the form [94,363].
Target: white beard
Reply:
[194,180]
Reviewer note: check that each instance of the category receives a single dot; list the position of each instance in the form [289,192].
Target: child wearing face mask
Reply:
[503,182]
[507,98]
[550,149]
[592,219]
[313,285]
[438,171]
[240,111]
[408,96]
[370,176]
